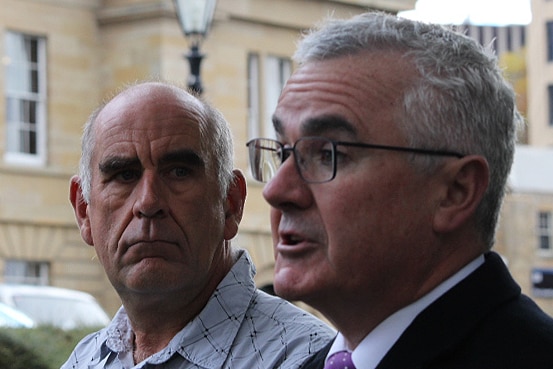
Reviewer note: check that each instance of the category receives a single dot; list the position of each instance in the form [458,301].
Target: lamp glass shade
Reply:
[195,16]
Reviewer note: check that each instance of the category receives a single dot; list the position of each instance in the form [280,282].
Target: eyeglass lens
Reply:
[265,158]
[314,157]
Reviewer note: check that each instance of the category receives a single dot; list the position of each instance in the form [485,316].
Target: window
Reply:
[542,282]
[27,272]
[549,36]
[550,104]
[277,71]
[253,95]
[263,97]
[25,86]
[545,232]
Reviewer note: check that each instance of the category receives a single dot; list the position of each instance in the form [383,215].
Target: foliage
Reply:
[37,348]
[514,67]
[15,355]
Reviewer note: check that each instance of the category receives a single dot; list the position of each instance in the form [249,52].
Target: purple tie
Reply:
[340,360]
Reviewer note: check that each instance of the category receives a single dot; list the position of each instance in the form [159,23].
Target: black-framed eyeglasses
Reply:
[315,157]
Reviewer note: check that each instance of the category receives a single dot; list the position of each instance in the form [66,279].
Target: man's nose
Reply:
[150,202]
[287,188]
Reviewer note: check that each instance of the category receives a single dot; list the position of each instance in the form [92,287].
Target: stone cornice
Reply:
[133,12]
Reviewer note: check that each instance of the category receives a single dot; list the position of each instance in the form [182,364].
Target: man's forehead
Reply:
[152,102]
[131,126]
[367,87]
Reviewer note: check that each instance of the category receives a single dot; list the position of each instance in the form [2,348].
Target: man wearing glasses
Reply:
[394,143]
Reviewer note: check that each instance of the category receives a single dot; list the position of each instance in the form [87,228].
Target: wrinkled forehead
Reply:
[364,91]
[150,104]
[150,119]
[153,95]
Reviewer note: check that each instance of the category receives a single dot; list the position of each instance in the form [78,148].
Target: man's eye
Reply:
[325,157]
[283,153]
[321,155]
[180,172]
[127,175]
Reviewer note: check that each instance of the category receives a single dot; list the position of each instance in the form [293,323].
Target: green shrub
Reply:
[37,348]
[16,355]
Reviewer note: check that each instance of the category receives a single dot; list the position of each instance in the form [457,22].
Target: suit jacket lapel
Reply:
[440,328]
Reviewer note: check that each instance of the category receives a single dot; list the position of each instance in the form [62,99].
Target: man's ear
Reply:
[234,208]
[80,207]
[466,181]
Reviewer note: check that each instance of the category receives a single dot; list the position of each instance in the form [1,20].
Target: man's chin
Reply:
[288,285]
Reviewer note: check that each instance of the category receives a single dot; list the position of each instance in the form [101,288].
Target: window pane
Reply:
[544,230]
[549,26]
[29,111]
[15,48]
[542,220]
[277,71]
[550,104]
[32,49]
[12,110]
[33,80]
[32,147]
[544,243]
[27,272]
[17,78]
[253,95]
[21,71]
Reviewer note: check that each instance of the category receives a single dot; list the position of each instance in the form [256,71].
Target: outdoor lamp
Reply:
[195,17]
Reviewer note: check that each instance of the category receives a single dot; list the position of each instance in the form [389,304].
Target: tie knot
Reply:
[340,360]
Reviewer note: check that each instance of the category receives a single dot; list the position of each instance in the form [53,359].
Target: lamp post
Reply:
[195,18]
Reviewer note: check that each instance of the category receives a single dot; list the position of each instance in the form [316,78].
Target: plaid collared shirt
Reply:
[239,328]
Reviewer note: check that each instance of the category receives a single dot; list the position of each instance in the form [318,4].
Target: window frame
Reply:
[549,40]
[27,272]
[277,71]
[544,233]
[550,105]
[19,130]
[267,75]
[254,92]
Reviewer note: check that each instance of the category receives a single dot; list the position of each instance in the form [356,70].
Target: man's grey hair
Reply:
[215,135]
[460,102]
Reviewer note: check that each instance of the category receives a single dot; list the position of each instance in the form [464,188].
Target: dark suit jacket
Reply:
[483,322]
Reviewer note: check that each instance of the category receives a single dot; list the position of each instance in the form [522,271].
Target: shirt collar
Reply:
[206,339]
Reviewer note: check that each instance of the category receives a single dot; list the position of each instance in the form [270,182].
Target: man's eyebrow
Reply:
[320,125]
[327,124]
[113,164]
[187,156]
[277,124]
